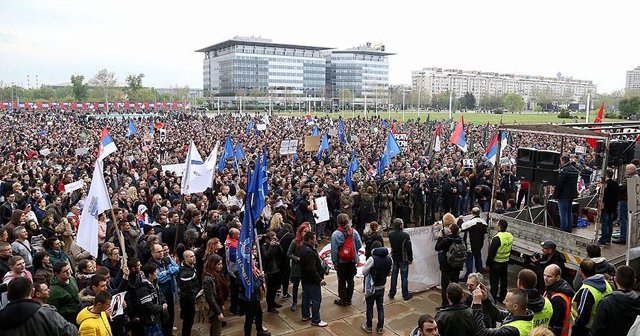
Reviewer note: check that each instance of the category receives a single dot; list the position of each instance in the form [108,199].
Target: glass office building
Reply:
[259,68]
[359,74]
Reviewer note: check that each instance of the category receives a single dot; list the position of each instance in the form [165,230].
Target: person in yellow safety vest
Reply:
[559,292]
[585,303]
[498,260]
[540,306]
[516,320]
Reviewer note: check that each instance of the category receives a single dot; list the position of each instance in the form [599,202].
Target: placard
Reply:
[82,151]
[581,149]
[402,140]
[311,143]
[45,151]
[288,147]
[322,212]
[261,127]
[177,168]
[332,132]
[73,186]
[117,304]
[467,163]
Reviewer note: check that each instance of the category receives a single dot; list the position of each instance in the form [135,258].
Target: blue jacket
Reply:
[337,238]
[167,272]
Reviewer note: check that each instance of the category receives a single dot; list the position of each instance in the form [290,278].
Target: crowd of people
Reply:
[182,250]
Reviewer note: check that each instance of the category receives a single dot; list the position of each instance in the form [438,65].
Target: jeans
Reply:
[346,273]
[403,268]
[311,298]
[498,277]
[167,325]
[606,220]
[564,208]
[295,283]
[471,257]
[378,299]
[623,219]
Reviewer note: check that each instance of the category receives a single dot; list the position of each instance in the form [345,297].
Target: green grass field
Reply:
[469,117]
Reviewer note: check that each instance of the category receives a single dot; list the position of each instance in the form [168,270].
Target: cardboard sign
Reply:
[467,163]
[311,143]
[117,304]
[261,127]
[177,168]
[288,147]
[73,186]
[581,149]
[82,151]
[323,209]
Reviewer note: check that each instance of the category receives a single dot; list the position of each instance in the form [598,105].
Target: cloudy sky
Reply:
[583,39]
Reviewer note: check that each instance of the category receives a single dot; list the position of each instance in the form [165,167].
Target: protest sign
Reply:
[288,147]
[402,140]
[82,151]
[311,143]
[71,187]
[323,210]
[177,168]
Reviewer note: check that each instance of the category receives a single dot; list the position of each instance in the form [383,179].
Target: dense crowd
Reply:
[182,249]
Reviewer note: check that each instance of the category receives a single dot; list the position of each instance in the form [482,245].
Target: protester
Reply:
[93,320]
[456,318]
[618,311]
[345,244]
[450,264]
[312,278]
[64,292]
[516,319]
[585,302]
[216,291]
[402,255]
[427,326]
[189,285]
[378,267]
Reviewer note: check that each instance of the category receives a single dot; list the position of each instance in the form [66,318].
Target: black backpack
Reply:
[457,254]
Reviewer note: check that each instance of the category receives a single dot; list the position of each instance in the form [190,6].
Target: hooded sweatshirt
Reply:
[616,313]
[583,303]
[92,324]
[558,303]
[602,267]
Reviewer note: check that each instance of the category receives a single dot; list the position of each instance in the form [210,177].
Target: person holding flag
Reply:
[131,129]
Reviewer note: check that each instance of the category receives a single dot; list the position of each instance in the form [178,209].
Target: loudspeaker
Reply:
[527,157]
[548,160]
[547,176]
[554,213]
[525,173]
[621,152]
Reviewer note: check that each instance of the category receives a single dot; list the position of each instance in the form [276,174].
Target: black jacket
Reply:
[27,317]
[442,246]
[188,284]
[368,241]
[311,270]
[149,299]
[272,257]
[616,313]
[474,231]
[455,320]
[610,197]
[567,186]
[400,242]
[558,303]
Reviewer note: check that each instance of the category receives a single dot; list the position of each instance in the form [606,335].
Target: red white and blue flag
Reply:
[107,146]
[492,149]
[459,138]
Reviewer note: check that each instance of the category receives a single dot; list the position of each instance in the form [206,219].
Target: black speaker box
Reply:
[527,157]
[547,176]
[525,173]
[548,160]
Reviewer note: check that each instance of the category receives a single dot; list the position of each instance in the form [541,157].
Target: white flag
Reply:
[191,165]
[97,202]
[198,175]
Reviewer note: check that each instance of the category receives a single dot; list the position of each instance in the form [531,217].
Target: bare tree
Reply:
[104,80]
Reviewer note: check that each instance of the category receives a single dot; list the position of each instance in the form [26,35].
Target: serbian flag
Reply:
[107,146]
[598,120]
[459,138]
[309,119]
[437,146]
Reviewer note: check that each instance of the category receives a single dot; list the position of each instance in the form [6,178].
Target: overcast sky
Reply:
[583,39]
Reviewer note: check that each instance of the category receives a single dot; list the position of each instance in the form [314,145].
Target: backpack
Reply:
[202,307]
[346,251]
[457,255]
[369,284]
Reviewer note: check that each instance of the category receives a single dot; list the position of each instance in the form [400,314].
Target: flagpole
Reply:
[120,238]
[450,105]
[586,120]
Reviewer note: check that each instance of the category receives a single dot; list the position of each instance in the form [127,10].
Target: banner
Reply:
[71,187]
[401,139]
[178,168]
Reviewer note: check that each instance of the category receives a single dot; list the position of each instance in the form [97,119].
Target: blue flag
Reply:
[250,127]
[239,152]
[315,131]
[391,149]
[341,135]
[131,129]
[256,188]
[152,127]
[265,166]
[245,243]
[228,153]
[353,167]
[324,145]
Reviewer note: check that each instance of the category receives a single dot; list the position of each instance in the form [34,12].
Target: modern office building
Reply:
[431,81]
[633,79]
[361,73]
[247,68]
[260,68]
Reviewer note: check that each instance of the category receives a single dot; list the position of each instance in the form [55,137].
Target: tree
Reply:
[468,101]
[104,80]
[513,102]
[440,101]
[143,95]
[134,83]
[80,90]
[629,106]
[491,102]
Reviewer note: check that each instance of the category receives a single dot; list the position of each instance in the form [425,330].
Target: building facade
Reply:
[257,67]
[633,79]
[359,74]
[432,81]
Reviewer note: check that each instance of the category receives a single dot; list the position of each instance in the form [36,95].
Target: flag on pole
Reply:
[598,120]
[194,169]
[309,119]
[437,146]
[107,146]
[96,202]
[152,128]
[239,152]
[131,128]
[228,153]
[258,201]
[265,169]
[341,134]
[324,145]
[492,150]
[353,167]
[247,238]
[250,126]
[391,149]
[459,137]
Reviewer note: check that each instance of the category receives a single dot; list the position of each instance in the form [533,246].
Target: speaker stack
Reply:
[621,152]
[539,166]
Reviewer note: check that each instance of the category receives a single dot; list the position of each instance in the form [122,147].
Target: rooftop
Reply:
[253,41]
